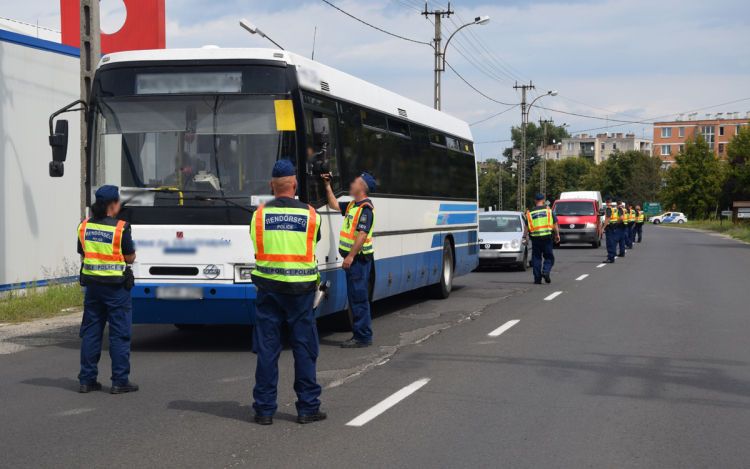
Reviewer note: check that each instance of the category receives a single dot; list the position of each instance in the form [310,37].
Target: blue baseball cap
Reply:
[630,202]
[609,197]
[282,169]
[618,200]
[539,197]
[369,180]
[107,193]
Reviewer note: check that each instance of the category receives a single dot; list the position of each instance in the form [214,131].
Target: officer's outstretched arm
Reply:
[129,258]
[333,203]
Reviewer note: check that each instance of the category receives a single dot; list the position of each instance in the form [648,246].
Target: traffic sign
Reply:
[726,213]
[652,208]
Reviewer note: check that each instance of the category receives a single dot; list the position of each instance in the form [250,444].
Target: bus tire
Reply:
[189,327]
[442,289]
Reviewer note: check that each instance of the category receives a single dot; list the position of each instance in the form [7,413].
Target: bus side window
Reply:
[316,188]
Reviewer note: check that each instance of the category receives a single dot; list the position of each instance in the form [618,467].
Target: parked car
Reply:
[501,239]
[668,217]
[580,221]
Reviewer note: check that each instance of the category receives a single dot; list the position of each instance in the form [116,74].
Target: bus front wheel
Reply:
[442,289]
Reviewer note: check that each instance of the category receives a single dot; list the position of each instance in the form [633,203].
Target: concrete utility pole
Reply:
[90,55]
[500,184]
[438,14]
[543,163]
[521,171]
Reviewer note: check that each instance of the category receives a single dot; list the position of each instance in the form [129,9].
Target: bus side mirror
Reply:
[56,169]
[59,141]
[321,130]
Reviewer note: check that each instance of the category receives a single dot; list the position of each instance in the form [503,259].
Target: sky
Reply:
[628,60]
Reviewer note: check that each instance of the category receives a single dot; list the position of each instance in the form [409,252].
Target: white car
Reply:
[668,217]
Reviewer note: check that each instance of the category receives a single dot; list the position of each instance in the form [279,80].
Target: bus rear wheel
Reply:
[442,289]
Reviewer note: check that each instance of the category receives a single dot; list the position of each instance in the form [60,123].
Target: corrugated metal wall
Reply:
[38,214]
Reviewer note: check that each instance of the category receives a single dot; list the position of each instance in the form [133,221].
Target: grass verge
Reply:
[739,231]
[41,302]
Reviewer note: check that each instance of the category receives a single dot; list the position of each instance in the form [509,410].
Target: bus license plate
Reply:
[179,293]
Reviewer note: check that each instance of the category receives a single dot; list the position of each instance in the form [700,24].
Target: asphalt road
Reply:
[644,363]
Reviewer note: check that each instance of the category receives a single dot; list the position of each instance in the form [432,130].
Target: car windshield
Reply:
[179,150]
[574,208]
[500,223]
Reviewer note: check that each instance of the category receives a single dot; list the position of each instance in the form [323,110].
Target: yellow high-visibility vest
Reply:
[102,243]
[540,221]
[348,232]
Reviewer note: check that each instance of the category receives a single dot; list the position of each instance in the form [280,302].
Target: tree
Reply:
[694,181]
[488,188]
[736,185]
[534,138]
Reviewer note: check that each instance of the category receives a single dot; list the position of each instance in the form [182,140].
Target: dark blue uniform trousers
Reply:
[637,231]
[631,234]
[623,235]
[542,247]
[357,279]
[101,305]
[612,240]
[272,310]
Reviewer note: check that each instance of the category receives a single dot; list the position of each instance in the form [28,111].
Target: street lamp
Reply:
[252,29]
[440,67]
[524,120]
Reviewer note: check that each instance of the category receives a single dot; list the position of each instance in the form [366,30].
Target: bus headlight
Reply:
[590,225]
[245,273]
[515,244]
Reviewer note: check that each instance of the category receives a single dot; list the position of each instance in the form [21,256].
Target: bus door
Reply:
[331,221]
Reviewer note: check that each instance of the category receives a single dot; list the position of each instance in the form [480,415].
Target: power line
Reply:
[495,115]
[375,27]
[473,88]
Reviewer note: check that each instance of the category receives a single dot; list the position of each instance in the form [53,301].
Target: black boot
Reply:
[84,388]
[320,415]
[130,387]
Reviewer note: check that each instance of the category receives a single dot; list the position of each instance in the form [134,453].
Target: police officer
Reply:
[106,246]
[284,233]
[612,218]
[355,246]
[541,224]
[622,227]
[631,224]
[640,218]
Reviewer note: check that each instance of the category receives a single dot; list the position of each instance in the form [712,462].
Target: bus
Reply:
[190,137]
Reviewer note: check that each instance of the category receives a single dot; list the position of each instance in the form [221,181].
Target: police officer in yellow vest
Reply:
[631,215]
[106,246]
[542,226]
[355,246]
[284,233]
[640,218]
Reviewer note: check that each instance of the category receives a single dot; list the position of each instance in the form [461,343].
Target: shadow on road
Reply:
[67,384]
[226,409]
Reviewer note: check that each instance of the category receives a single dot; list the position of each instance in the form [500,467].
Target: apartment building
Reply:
[551,152]
[600,146]
[718,129]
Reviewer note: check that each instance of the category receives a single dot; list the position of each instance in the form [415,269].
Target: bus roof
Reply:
[313,76]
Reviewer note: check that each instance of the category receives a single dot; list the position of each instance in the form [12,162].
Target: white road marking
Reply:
[503,328]
[387,403]
[582,277]
[600,265]
[73,412]
[553,296]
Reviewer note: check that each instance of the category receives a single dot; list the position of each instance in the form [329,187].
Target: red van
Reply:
[581,221]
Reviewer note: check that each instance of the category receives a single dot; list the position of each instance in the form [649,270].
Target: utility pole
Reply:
[438,14]
[90,55]
[500,183]
[521,205]
[543,163]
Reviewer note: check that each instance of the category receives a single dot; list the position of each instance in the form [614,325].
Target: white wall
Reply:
[38,214]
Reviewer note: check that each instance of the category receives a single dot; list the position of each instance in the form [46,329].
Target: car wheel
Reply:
[442,289]
[522,266]
[680,221]
[595,244]
[656,222]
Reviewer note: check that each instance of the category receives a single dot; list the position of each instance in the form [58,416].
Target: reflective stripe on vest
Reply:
[348,232]
[284,239]
[540,224]
[628,216]
[101,248]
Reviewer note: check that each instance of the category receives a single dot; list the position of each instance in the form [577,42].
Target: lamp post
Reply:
[521,203]
[440,67]
[252,29]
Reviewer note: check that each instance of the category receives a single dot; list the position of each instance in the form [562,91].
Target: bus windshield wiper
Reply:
[226,200]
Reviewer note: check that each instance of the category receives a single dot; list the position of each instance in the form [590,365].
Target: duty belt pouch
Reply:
[81,277]
[129,280]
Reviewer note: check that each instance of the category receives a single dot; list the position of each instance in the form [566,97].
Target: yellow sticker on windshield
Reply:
[284,115]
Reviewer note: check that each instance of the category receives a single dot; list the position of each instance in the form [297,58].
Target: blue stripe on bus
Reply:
[456,218]
[41,44]
[457,208]
[180,250]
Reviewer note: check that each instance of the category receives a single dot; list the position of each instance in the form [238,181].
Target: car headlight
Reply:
[515,244]
[590,225]
[245,273]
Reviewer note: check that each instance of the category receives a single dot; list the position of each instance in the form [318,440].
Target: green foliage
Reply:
[737,183]
[694,181]
[488,184]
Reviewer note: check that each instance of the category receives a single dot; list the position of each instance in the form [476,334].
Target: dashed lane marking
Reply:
[600,266]
[387,403]
[582,277]
[73,412]
[503,328]
[553,296]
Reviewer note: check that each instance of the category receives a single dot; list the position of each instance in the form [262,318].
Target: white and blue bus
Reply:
[190,137]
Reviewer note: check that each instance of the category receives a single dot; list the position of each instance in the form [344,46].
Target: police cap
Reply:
[107,193]
[282,168]
[369,180]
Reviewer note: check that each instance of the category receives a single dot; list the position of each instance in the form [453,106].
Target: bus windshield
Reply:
[183,149]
